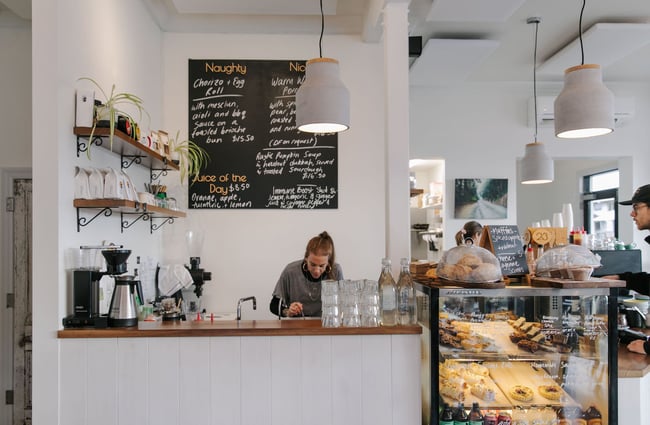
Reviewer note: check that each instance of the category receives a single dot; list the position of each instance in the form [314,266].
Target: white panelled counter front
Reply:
[248,372]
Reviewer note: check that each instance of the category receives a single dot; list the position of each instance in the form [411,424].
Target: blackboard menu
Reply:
[505,242]
[242,112]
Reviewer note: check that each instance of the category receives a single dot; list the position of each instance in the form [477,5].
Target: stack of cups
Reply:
[349,300]
[330,304]
[370,312]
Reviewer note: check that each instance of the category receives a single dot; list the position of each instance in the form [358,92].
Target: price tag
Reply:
[543,236]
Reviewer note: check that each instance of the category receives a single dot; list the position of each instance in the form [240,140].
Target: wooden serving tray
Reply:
[444,283]
[500,399]
[508,374]
[594,282]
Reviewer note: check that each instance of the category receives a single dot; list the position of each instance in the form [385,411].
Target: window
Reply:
[600,200]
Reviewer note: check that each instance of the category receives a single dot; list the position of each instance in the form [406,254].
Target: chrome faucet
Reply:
[241,300]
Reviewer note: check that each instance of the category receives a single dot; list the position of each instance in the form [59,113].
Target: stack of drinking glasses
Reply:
[370,312]
[350,294]
[330,304]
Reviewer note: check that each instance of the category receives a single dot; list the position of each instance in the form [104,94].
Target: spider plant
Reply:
[111,108]
[191,157]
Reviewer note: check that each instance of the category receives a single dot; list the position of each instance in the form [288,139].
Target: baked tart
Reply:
[521,393]
[550,392]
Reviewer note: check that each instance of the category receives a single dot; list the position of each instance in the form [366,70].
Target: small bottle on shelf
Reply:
[460,416]
[447,415]
[475,415]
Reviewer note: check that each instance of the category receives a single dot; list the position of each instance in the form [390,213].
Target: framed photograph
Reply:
[477,199]
[155,141]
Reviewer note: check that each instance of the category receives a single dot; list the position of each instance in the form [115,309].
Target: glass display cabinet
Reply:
[538,355]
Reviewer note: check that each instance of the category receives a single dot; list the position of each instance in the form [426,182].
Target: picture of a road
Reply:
[482,209]
[481,198]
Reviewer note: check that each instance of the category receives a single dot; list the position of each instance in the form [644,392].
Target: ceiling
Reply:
[463,40]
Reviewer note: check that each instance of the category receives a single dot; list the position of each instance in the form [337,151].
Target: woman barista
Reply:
[298,288]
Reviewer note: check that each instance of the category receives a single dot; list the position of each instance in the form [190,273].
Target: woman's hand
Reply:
[636,346]
[295,309]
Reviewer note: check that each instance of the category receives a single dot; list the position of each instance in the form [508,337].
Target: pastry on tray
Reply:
[521,393]
[550,392]
[483,392]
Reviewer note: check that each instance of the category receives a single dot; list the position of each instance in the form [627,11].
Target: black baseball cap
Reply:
[642,194]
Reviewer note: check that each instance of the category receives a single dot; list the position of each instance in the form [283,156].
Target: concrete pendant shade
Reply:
[536,165]
[322,101]
[584,107]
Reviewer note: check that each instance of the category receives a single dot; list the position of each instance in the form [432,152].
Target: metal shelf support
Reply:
[165,220]
[126,223]
[83,221]
[84,146]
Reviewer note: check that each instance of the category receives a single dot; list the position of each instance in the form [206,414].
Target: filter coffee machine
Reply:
[86,294]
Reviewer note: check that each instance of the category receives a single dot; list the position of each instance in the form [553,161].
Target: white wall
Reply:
[113,42]
[16,145]
[247,249]
[481,129]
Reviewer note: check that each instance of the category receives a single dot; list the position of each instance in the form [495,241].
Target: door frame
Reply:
[8,176]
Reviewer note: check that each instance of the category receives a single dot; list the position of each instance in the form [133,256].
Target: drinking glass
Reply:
[558,220]
[330,317]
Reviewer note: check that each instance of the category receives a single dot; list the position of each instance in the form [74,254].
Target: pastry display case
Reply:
[536,354]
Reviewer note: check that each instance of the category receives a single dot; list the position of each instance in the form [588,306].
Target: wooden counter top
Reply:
[291,327]
[633,365]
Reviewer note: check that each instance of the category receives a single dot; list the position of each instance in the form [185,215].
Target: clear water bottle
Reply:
[387,295]
[405,295]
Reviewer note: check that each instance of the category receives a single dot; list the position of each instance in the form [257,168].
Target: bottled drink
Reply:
[405,295]
[593,416]
[387,295]
[504,418]
[447,415]
[461,417]
[490,418]
[475,415]
[530,259]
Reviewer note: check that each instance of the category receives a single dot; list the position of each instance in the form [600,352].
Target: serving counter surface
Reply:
[633,365]
[290,327]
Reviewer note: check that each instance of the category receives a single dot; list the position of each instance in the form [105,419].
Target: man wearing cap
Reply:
[640,282]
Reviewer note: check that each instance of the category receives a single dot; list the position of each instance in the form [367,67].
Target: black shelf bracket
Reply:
[126,223]
[83,221]
[165,220]
[156,173]
[83,145]
[128,160]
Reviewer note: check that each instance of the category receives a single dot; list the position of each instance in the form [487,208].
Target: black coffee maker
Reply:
[86,291]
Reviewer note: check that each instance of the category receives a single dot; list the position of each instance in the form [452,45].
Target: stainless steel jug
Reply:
[125,302]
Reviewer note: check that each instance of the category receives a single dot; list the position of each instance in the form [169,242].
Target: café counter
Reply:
[240,372]
[633,386]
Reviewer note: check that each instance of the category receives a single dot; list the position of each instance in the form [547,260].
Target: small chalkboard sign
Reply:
[242,112]
[504,241]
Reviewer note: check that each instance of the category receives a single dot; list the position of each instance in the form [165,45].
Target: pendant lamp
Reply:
[322,101]
[585,106]
[536,165]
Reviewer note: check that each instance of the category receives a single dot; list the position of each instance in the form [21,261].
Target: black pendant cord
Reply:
[322,29]
[582,49]
[535,76]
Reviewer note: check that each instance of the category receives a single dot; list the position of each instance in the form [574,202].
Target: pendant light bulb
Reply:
[536,165]
[322,100]
[585,106]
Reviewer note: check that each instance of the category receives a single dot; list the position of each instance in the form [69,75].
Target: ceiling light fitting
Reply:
[536,165]
[322,101]
[585,106]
